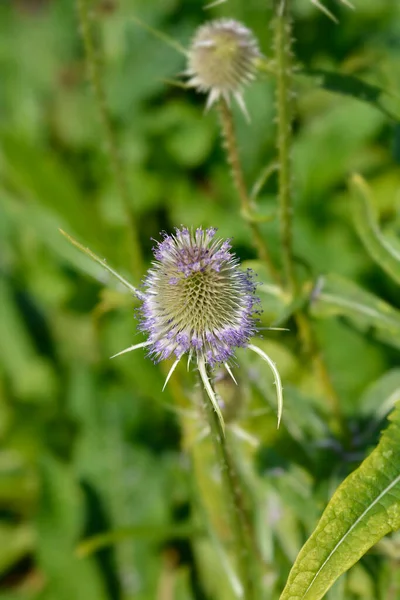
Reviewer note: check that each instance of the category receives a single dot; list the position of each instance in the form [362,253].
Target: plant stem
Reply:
[93,62]
[284,92]
[232,154]
[246,556]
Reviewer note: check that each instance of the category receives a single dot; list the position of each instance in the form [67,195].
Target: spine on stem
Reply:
[283,40]
[233,159]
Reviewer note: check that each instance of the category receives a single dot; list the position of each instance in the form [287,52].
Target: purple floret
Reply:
[196,298]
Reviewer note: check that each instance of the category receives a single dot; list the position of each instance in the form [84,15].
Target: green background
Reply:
[88,445]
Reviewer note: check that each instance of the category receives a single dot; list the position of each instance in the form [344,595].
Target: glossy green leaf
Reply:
[367,227]
[365,508]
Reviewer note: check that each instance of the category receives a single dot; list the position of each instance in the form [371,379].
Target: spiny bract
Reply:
[325,10]
[197,301]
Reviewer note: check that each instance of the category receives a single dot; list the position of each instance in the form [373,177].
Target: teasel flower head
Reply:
[222,59]
[196,301]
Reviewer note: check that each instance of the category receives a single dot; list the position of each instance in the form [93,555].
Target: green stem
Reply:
[94,66]
[232,154]
[239,523]
[284,93]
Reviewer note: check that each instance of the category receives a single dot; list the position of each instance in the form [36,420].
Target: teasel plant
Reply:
[222,60]
[196,302]
[195,299]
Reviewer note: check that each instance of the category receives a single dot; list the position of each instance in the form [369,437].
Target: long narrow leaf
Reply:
[364,509]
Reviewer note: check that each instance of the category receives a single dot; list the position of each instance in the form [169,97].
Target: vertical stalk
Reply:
[284,94]
[93,63]
[232,154]
[242,544]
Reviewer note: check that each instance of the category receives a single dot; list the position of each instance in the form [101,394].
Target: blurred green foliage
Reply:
[89,446]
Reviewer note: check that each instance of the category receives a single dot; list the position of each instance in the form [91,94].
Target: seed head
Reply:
[197,300]
[222,59]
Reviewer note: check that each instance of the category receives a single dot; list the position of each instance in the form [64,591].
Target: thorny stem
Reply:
[284,95]
[232,154]
[283,59]
[93,63]
[244,550]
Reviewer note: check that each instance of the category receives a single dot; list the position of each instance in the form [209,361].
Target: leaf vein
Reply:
[340,542]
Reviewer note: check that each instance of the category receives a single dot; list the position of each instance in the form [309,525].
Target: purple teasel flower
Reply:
[196,301]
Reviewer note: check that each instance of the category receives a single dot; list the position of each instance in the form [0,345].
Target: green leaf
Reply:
[336,296]
[348,85]
[365,507]
[367,227]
